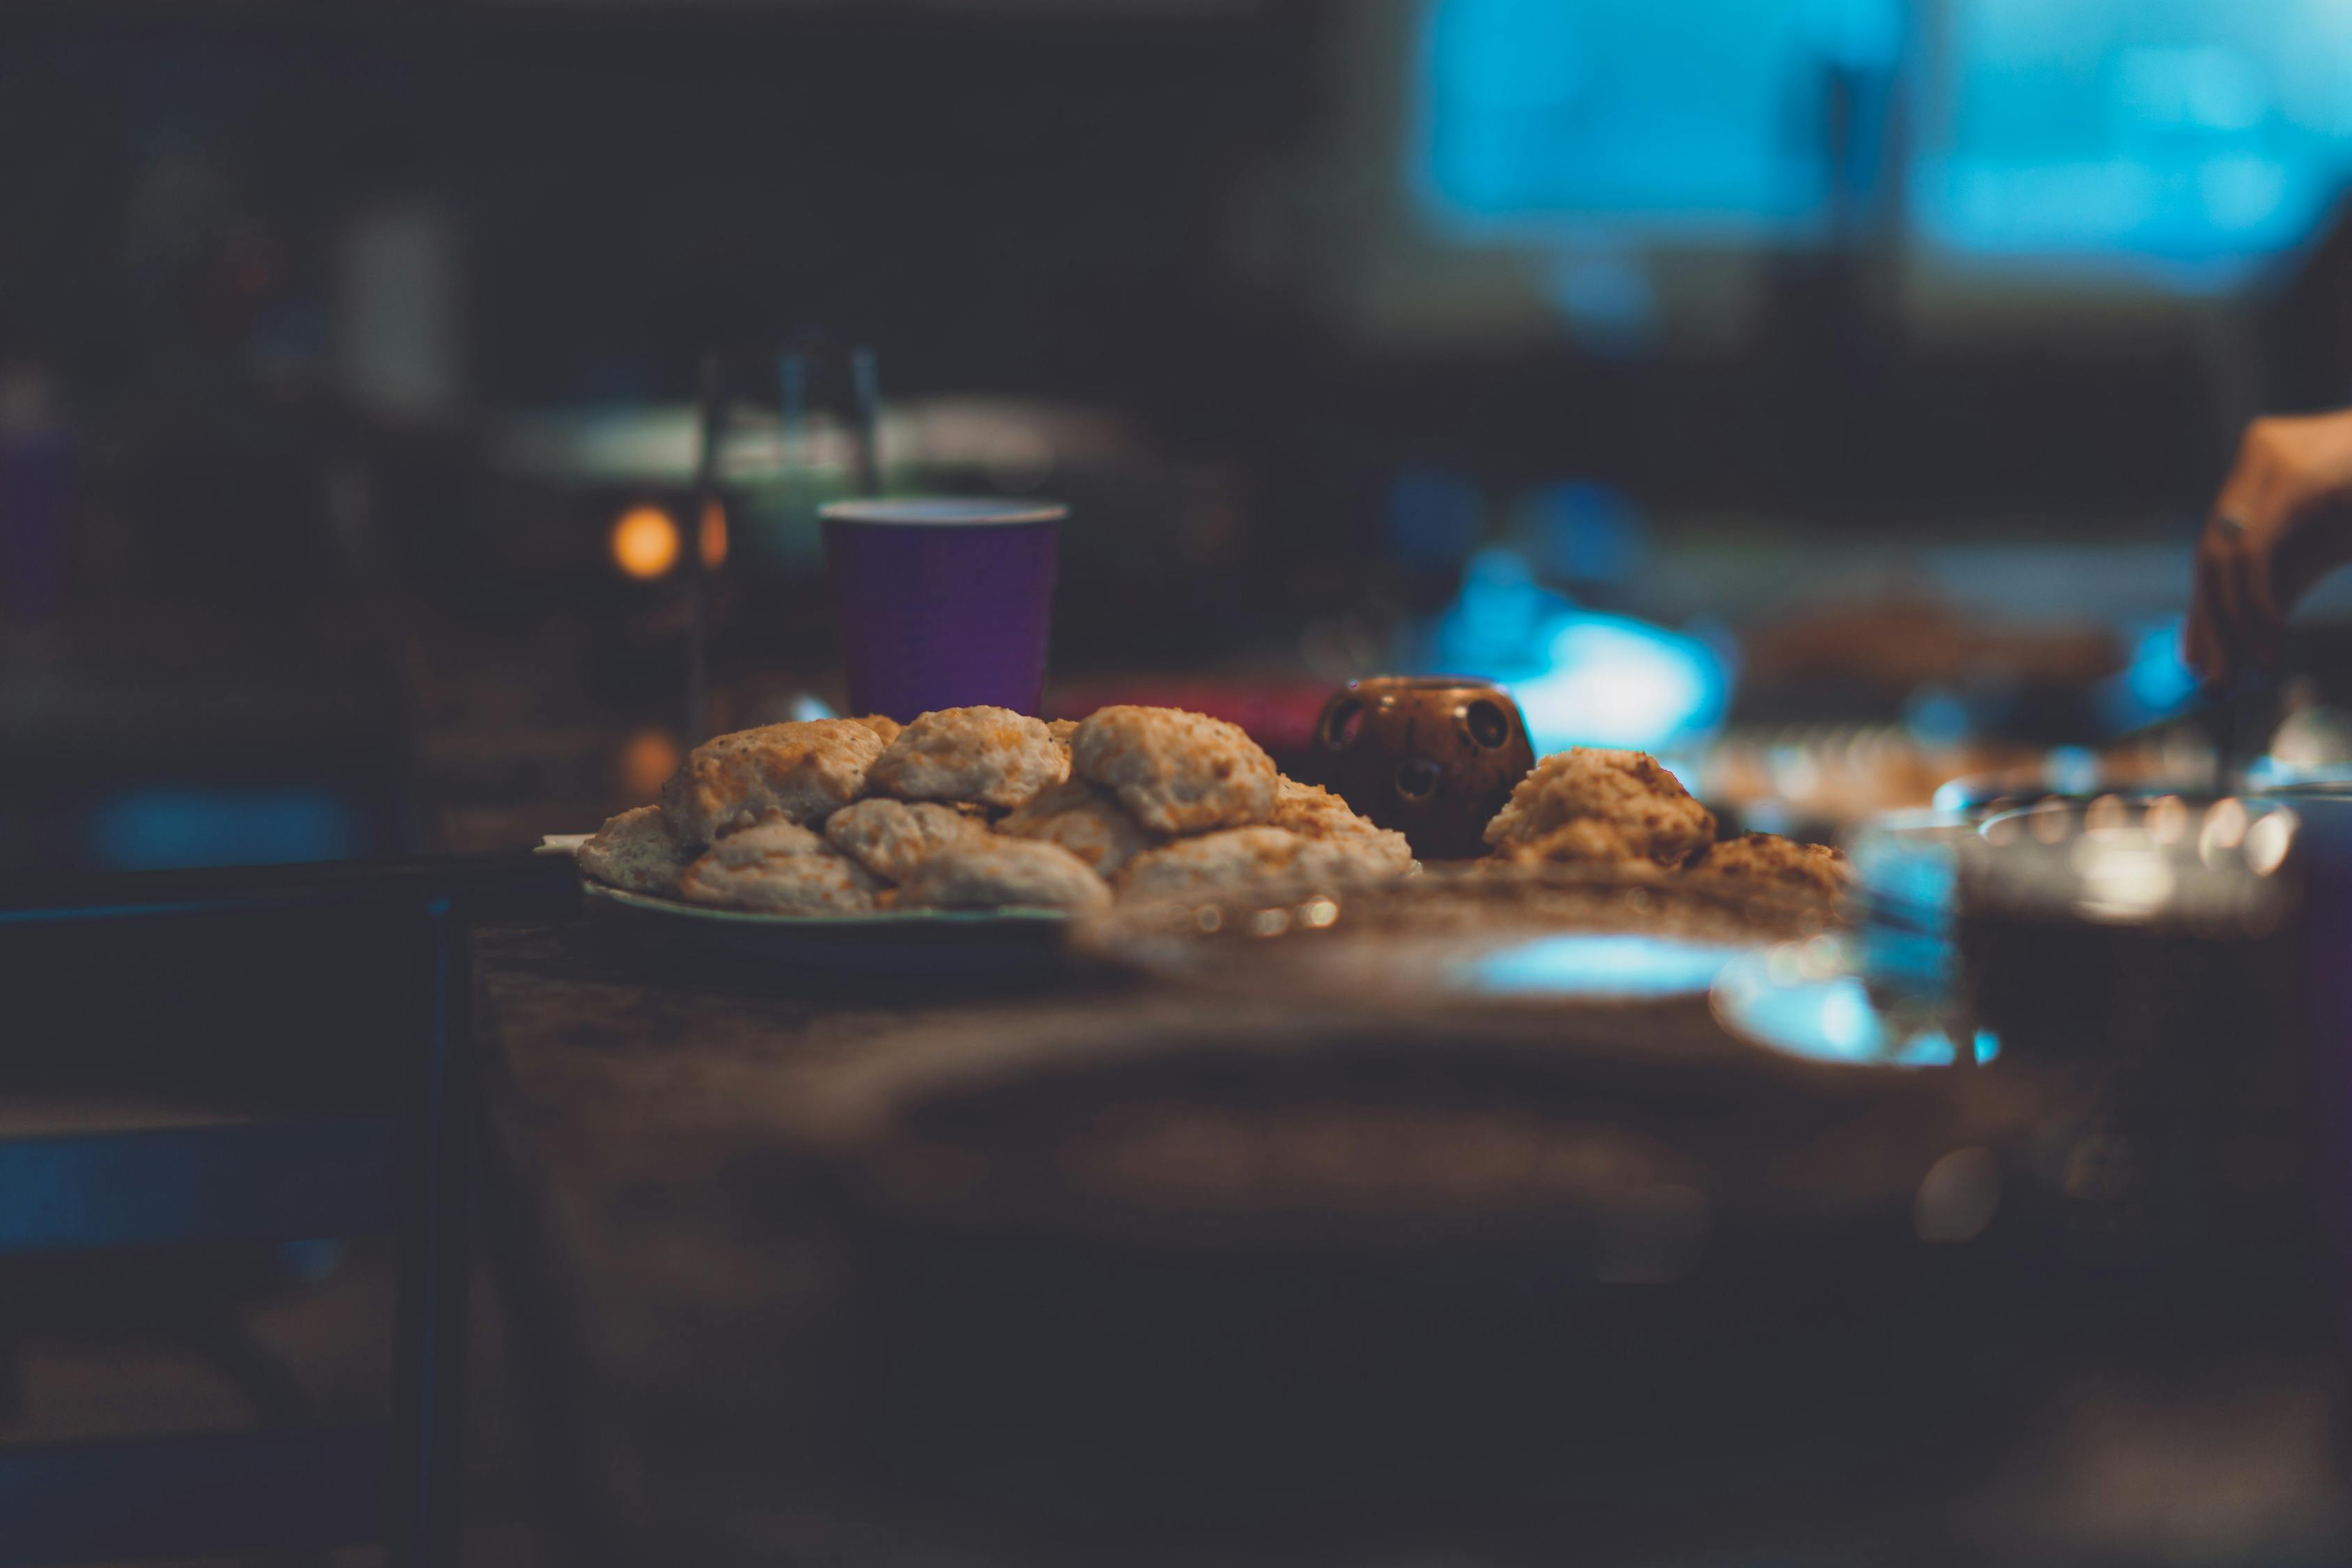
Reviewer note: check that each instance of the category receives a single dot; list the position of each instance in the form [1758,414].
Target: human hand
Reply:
[2281,521]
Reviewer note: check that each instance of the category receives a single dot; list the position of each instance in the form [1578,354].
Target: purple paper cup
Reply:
[943,602]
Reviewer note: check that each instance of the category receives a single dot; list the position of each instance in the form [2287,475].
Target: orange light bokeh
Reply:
[645,543]
[649,757]
[714,535]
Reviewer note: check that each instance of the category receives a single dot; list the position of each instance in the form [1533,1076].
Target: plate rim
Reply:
[770,919]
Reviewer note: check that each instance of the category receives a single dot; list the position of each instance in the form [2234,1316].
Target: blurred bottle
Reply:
[398,308]
[36,495]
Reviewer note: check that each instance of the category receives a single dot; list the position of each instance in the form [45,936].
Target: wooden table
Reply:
[681,1311]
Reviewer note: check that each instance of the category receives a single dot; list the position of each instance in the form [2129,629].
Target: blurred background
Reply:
[1822,392]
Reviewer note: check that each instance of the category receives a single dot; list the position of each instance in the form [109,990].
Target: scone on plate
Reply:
[891,837]
[1176,771]
[1588,841]
[1269,863]
[1765,860]
[1590,803]
[1313,811]
[1085,819]
[635,850]
[991,756]
[782,868]
[802,772]
[1005,872]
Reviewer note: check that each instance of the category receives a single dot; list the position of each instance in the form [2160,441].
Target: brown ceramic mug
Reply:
[1434,757]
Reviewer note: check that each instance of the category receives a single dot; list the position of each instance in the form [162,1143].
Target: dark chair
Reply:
[314,1166]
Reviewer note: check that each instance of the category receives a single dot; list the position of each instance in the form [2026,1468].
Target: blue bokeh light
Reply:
[1836,1021]
[2179,142]
[1682,119]
[1599,965]
[1580,678]
[165,828]
[2156,684]
[1613,681]
[2187,139]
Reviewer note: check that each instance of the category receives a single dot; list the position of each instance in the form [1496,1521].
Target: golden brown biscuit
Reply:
[1176,771]
[1005,872]
[1622,805]
[891,837]
[990,754]
[1269,863]
[1766,860]
[1313,811]
[780,867]
[801,772]
[635,850]
[882,725]
[1587,841]
[1085,819]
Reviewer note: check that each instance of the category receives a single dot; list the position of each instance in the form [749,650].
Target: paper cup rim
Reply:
[942,512]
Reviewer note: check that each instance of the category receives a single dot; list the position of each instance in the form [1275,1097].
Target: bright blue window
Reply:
[2186,138]
[1669,118]
[2183,140]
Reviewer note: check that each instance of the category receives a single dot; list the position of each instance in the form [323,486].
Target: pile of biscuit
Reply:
[1623,811]
[985,808]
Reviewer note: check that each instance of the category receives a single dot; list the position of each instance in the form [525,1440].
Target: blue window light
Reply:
[1696,120]
[2179,142]
[2183,140]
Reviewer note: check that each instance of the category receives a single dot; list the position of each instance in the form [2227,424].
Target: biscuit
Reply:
[635,850]
[882,725]
[1005,872]
[988,755]
[1085,819]
[1766,860]
[1268,863]
[801,772]
[781,867]
[891,837]
[1622,804]
[1313,811]
[1176,771]
[1586,837]
[1588,840]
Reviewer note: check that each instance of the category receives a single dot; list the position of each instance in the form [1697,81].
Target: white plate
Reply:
[952,942]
